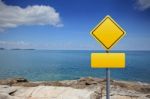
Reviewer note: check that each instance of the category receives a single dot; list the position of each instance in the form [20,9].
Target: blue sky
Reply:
[66,24]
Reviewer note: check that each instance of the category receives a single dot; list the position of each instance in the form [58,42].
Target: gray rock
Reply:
[148,96]
[7,89]
[12,81]
[6,96]
[84,88]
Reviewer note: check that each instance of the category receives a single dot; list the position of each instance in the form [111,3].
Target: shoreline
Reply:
[87,88]
[128,81]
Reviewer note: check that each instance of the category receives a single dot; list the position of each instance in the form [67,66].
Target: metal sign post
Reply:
[107,83]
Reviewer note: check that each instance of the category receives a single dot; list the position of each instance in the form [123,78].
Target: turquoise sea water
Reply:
[41,65]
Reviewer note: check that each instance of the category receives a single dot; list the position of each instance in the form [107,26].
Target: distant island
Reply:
[2,48]
[21,49]
[16,49]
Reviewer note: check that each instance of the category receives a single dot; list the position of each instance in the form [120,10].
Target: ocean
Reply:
[51,65]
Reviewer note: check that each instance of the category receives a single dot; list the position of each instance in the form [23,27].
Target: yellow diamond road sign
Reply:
[108,32]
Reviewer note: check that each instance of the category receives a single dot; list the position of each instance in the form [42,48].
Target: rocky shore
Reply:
[84,88]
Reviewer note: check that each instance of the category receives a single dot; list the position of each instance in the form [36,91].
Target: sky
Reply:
[66,24]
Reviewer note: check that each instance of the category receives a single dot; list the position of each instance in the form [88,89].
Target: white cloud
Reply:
[143,4]
[13,16]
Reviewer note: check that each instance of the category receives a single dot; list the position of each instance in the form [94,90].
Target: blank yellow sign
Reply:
[108,60]
[107,32]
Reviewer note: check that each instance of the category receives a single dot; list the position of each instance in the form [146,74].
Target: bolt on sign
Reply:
[108,33]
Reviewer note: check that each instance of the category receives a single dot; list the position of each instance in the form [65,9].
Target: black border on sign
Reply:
[114,41]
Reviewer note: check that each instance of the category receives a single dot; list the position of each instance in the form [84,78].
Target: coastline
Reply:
[83,88]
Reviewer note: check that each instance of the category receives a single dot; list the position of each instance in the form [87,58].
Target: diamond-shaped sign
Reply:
[108,32]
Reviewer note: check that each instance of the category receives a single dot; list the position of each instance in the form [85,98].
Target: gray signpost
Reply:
[108,33]
[107,83]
